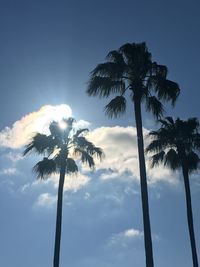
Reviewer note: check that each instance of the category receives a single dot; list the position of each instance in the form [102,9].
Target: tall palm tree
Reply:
[58,149]
[176,145]
[131,69]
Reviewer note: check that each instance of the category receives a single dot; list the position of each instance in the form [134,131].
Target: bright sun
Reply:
[50,113]
[63,125]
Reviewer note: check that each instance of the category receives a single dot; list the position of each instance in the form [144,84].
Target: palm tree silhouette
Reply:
[58,148]
[130,68]
[176,145]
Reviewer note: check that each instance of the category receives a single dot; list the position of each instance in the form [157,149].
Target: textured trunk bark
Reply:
[189,214]
[59,216]
[144,190]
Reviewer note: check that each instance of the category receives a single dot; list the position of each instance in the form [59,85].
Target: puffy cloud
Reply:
[121,161]
[45,200]
[72,182]
[38,121]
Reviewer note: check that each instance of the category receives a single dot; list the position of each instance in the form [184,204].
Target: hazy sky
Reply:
[47,51]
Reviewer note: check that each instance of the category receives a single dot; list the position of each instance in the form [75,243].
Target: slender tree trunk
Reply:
[59,216]
[144,190]
[190,215]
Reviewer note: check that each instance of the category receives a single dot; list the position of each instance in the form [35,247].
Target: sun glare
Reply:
[63,125]
[50,113]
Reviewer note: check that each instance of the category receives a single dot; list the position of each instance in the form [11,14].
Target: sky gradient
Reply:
[47,51]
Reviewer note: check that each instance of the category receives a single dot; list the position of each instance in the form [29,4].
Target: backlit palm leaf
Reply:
[41,144]
[154,106]
[116,107]
[71,166]
[104,86]
[44,168]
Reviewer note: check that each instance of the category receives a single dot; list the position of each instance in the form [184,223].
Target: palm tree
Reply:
[58,149]
[131,69]
[176,145]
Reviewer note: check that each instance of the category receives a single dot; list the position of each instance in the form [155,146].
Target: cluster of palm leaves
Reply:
[131,71]
[128,71]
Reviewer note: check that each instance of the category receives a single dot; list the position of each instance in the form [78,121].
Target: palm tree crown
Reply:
[131,68]
[174,142]
[62,145]
[177,144]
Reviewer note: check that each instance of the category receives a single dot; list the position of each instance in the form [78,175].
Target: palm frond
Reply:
[85,157]
[193,124]
[159,70]
[104,86]
[154,106]
[45,168]
[193,161]
[137,57]
[82,143]
[166,90]
[170,120]
[71,166]
[156,145]
[109,69]
[156,159]
[116,107]
[172,160]
[41,144]
[80,131]
[116,57]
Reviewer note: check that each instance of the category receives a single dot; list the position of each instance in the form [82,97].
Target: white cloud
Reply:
[125,237]
[14,157]
[72,182]
[45,200]
[121,161]
[22,130]
[8,171]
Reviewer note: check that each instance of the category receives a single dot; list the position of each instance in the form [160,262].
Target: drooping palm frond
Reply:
[85,157]
[156,159]
[79,132]
[193,160]
[41,144]
[109,69]
[157,145]
[82,143]
[154,106]
[44,168]
[159,70]
[105,86]
[116,107]
[172,159]
[166,90]
[71,166]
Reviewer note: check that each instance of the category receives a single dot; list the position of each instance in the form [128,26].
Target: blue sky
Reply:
[47,51]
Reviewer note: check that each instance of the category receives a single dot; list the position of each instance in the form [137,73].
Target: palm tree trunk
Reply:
[190,215]
[144,190]
[59,216]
